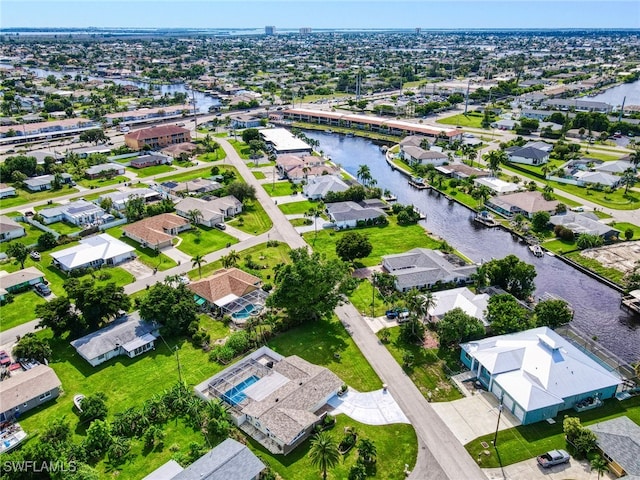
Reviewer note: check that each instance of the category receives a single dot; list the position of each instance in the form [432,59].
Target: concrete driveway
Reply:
[370,408]
[529,470]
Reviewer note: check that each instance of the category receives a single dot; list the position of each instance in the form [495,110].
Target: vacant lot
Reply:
[621,256]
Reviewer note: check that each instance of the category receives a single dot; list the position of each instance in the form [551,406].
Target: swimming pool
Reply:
[235,395]
[246,311]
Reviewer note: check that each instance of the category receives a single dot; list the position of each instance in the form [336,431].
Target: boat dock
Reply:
[536,250]
[486,219]
[419,183]
[631,302]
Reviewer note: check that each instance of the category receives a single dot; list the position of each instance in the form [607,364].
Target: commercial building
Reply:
[157,137]
[282,141]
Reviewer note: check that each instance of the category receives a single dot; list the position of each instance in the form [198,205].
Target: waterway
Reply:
[597,307]
[615,95]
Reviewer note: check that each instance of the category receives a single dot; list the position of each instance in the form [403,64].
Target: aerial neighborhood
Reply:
[298,254]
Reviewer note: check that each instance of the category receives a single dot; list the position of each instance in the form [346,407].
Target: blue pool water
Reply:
[235,395]
[246,311]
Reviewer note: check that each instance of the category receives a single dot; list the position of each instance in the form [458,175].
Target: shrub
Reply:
[221,354]
[238,342]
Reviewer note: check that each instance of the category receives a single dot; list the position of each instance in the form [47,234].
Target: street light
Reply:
[373,294]
[495,437]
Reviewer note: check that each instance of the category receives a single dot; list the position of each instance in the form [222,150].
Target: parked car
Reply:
[220,226]
[35,255]
[42,289]
[553,457]
[5,359]
[402,314]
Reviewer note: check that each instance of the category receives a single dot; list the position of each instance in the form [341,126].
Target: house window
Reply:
[44,396]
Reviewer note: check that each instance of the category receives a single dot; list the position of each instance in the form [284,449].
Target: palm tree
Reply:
[198,260]
[195,217]
[367,450]
[494,159]
[634,157]
[628,179]
[600,465]
[230,260]
[364,174]
[324,452]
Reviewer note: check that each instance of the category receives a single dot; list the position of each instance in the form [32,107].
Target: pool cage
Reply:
[224,387]
[258,298]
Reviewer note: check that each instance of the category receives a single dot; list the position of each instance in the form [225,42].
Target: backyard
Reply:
[31,237]
[148,256]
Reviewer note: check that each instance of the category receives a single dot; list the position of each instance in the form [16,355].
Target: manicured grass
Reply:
[612,274]
[615,200]
[278,189]
[31,236]
[219,154]
[64,228]
[253,219]
[362,296]
[385,240]
[24,196]
[150,171]
[242,148]
[21,310]
[527,441]
[472,119]
[294,208]
[559,246]
[599,155]
[93,196]
[401,164]
[622,226]
[427,371]
[259,175]
[185,176]
[204,240]
[150,257]
[264,256]
[327,343]
[102,182]
[396,445]
[299,222]
[262,162]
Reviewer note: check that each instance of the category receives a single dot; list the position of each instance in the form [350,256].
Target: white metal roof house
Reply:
[93,252]
[537,373]
[499,187]
[423,268]
[462,298]
[79,212]
[128,335]
[317,187]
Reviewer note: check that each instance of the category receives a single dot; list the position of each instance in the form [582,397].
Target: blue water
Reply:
[245,312]
[235,395]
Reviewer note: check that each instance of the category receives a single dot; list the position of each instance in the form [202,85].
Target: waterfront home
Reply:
[618,441]
[120,198]
[79,212]
[585,223]
[497,186]
[528,155]
[276,400]
[348,214]
[10,229]
[93,252]
[44,182]
[281,141]
[462,171]
[317,187]
[157,137]
[18,281]
[103,170]
[536,374]
[26,390]
[423,268]
[470,303]
[156,232]
[526,203]
[418,156]
[127,335]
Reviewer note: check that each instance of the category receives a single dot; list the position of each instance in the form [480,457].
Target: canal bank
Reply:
[597,305]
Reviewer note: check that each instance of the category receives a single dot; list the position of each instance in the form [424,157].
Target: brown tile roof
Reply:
[155,132]
[153,229]
[27,385]
[225,282]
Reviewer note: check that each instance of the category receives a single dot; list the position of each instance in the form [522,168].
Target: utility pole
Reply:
[373,294]
[495,437]
[179,368]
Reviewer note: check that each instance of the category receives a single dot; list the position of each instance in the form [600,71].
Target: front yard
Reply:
[24,196]
[278,189]
[21,310]
[150,171]
[102,182]
[253,219]
[148,256]
[203,240]
[294,208]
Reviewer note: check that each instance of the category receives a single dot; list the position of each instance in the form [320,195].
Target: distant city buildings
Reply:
[270,30]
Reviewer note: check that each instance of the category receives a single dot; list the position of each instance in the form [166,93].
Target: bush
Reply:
[221,354]
[238,342]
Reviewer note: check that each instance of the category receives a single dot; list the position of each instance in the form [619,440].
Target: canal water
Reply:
[615,95]
[597,307]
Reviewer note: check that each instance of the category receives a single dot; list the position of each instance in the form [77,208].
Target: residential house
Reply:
[79,212]
[44,182]
[544,146]
[229,291]
[462,171]
[596,178]
[213,211]
[178,149]
[615,167]
[528,155]
[618,441]
[504,124]
[7,190]
[156,232]
[157,137]
[585,223]
[535,114]
[10,229]
[128,335]
[244,121]
[104,169]
[470,303]
[196,186]
[497,186]
[120,199]
[418,156]
[84,152]
[281,141]
[93,252]
[423,268]
[536,374]
[230,460]
[276,400]
[348,214]
[18,281]
[526,203]
[149,160]
[318,187]
[26,390]
[414,141]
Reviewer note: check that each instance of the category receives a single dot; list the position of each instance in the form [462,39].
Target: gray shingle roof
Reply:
[25,386]
[619,438]
[578,224]
[529,152]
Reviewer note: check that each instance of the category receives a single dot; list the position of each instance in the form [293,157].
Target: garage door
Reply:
[496,390]
[508,402]
[519,413]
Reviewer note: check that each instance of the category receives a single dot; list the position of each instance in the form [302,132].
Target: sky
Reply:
[427,14]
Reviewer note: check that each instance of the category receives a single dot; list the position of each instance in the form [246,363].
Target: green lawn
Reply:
[219,154]
[31,236]
[472,119]
[150,257]
[396,445]
[294,208]
[199,173]
[102,182]
[528,441]
[204,240]
[253,219]
[362,296]
[599,155]
[622,226]
[299,222]
[152,170]
[327,343]
[559,246]
[64,228]
[21,310]
[385,240]
[24,196]
[93,196]
[278,189]
[264,256]
[259,175]
[242,148]
[427,371]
